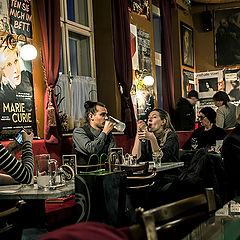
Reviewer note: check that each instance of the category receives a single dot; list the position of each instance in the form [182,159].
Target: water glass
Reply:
[156,157]
[120,126]
[134,159]
[46,170]
[128,160]
[194,143]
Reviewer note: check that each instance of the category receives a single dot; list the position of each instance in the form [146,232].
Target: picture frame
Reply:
[226,37]
[119,151]
[140,7]
[70,160]
[187,47]
[188,82]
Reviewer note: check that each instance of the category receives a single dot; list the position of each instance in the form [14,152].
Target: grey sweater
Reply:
[226,116]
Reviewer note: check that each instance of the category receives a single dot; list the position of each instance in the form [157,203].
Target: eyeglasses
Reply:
[201,117]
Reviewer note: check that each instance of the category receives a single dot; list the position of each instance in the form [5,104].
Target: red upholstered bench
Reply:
[122,140]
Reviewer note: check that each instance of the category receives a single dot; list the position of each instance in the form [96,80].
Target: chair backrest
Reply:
[9,223]
[176,219]
[141,181]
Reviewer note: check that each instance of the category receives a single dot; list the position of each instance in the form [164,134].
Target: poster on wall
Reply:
[20,17]
[17,108]
[134,46]
[145,102]
[144,51]
[4,17]
[232,78]
[208,83]
[188,82]
[140,7]
[206,102]
[227,37]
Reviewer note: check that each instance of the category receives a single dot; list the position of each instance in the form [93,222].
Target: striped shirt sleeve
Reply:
[20,171]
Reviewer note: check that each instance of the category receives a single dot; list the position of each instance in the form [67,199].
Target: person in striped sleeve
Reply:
[18,171]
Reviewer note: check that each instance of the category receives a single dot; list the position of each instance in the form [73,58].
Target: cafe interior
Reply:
[133,56]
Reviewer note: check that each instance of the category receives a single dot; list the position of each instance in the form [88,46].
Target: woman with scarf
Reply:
[157,136]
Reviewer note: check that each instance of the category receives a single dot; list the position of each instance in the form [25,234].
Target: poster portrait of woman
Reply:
[16,93]
[187,45]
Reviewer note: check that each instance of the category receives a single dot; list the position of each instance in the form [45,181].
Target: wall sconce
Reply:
[147,79]
[27,52]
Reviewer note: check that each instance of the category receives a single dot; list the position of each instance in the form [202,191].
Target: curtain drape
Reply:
[167,56]
[123,61]
[49,22]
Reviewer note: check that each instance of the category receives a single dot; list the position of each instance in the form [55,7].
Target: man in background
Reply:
[184,117]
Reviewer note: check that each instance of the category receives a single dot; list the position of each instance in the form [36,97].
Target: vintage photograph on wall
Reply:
[140,7]
[232,80]
[187,48]
[227,37]
[188,82]
[208,83]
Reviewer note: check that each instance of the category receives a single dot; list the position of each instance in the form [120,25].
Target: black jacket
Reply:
[184,117]
[205,138]
[231,156]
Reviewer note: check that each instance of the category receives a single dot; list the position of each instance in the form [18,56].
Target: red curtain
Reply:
[49,21]
[123,61]
[167,56]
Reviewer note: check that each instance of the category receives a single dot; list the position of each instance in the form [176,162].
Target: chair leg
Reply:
[150,227]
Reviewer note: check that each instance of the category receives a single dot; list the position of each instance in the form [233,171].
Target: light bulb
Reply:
[148,80]
[28,52]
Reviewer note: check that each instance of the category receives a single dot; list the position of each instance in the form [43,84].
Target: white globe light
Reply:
[28,52]
[148,80]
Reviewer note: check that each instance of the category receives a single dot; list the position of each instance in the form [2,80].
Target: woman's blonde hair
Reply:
[167,127]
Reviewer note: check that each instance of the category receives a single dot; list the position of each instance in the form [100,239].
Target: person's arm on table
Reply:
[20,171]
[6,179]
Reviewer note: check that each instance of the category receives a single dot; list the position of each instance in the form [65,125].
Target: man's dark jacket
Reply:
[184,117]
[231,156]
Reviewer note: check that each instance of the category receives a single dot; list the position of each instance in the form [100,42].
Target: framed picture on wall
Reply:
[188,82]
[187,48]
[227,37]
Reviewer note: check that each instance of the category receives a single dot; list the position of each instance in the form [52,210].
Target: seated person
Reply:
[158,136]
[231,156]
[21,172]
[95,137]
[226,112]
[208,133]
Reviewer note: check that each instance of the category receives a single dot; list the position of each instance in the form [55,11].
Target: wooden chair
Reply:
[134,190]
[9,222]
[141,181]
[174,220]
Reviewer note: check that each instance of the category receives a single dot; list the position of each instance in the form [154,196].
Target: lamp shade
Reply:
[148,80]
[28,52]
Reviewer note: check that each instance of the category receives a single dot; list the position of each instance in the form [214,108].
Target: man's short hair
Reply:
[91,107]
[193,93]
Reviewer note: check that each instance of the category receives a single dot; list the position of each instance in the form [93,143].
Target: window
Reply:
[77,38]
[77,63]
